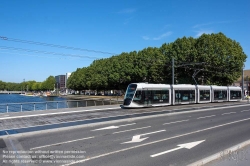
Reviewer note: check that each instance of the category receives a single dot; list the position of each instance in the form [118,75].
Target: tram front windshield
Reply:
[130,91]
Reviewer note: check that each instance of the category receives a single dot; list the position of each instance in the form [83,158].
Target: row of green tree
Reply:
[48,84]
[216,59]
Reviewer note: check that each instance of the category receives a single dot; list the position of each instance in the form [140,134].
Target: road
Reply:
[175,139]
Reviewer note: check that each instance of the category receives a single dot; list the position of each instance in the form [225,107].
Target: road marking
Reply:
[228,113]
[131,130]
[153,142]
[206,117]
[61,143]
[69,112]
[176,122]
[113,127]
[137,138]
[244,110]
[181,146]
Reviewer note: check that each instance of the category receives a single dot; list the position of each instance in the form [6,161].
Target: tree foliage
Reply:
[48,84]
[216,59]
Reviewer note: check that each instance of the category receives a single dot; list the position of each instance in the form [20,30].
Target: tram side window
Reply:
[184,95]
[220,94]
[165,95]
[204,95]
[138,97]
[235,94]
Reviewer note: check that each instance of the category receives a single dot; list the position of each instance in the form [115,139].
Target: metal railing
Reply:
[34,106]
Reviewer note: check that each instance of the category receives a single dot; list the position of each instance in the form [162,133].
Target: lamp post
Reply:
[243,95]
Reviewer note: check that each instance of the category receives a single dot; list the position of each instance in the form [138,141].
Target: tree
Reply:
[49,83]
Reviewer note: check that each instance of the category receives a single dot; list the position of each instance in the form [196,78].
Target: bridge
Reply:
[11,92]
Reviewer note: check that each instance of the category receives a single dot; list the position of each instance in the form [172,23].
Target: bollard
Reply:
[95,102]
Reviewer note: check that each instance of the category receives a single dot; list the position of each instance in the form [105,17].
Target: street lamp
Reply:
[243,95]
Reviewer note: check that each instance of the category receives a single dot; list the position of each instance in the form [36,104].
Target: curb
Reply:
[218,155]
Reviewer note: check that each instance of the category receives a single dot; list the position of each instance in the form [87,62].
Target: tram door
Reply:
[146,96]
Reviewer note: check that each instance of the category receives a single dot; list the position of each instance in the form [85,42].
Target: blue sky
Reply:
[111,26]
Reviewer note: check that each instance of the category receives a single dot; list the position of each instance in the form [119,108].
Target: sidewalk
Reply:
[240,157]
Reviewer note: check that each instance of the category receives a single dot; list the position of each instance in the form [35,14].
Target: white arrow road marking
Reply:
[137,138]
[181,146]
[113,127]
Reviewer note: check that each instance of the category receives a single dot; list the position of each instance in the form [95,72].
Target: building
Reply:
[66,79]
[60,82]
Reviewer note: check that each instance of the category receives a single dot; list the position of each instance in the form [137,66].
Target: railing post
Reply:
[95,102]
[102,102]
[7,108]
[77,104]
[34,106]
[56,105]
[67,104]
[21,108]
[46,107]
[109,101]
[86,103]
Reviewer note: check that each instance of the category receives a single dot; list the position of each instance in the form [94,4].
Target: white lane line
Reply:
[131,130]
[61,143]
[228,113]
[152,132]
[113,127]
[154,142]
[244,110]
[126,124]
[176,122]
[206,117]
[68,112]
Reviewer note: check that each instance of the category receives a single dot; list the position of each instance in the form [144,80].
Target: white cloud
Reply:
[145,37]
[162,36]
[210,23]
[199,33]
[159,37]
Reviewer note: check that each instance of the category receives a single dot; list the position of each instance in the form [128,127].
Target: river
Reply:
[16,98]
[17,103]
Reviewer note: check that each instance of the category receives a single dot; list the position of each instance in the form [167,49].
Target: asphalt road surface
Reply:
[174,139]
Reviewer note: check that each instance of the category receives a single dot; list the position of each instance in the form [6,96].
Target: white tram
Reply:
[152,95]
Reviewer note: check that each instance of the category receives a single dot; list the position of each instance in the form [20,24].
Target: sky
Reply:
[42,38]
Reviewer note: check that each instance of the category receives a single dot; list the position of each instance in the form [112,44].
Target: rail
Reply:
[35,106]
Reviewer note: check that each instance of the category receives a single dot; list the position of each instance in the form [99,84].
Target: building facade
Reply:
[60,82]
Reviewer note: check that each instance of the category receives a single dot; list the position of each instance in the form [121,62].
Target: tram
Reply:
[153,95]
